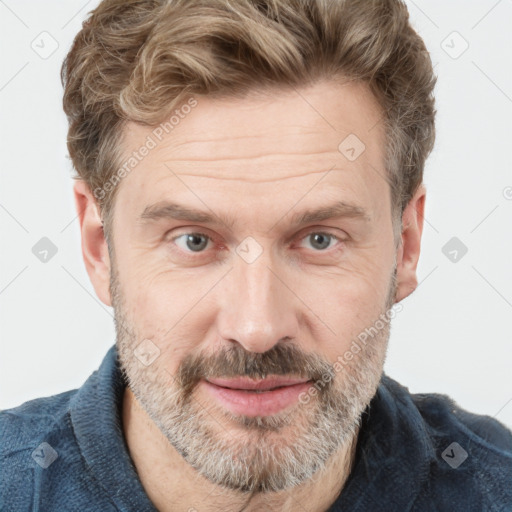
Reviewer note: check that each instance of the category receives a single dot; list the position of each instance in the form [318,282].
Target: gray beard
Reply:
[257,454]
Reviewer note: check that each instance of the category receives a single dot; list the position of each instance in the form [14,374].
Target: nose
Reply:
[256,307]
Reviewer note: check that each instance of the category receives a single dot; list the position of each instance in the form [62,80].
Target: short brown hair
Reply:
[138,60]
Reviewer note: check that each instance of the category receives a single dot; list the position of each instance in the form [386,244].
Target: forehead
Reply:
[326,137]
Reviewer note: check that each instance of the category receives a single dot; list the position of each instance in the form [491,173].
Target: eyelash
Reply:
[188,253]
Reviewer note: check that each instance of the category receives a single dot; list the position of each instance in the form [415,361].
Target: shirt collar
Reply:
[393,454]
[96,417]
[393,448]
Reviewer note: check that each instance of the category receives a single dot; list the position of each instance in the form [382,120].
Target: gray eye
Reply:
[194,242]
[320,240]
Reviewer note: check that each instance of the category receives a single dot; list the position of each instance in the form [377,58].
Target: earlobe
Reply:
[408,252]
[94,245]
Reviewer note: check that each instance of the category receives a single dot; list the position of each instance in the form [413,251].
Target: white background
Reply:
[453,335]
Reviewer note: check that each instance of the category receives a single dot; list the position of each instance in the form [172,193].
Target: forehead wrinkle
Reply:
[245,180]
[328,151]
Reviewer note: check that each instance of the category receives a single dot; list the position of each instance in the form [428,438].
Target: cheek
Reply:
[349,300]
[158,308]
[170,308]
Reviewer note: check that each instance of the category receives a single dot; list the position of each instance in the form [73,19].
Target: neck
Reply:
[172,484]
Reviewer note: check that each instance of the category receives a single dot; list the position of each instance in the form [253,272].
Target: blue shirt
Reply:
[415,452]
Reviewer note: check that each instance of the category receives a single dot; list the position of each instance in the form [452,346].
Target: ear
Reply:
[408,251]
[94,244]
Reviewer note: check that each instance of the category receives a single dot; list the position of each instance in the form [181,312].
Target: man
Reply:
[251,204]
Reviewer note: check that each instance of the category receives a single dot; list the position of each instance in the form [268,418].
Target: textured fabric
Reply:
[67,453]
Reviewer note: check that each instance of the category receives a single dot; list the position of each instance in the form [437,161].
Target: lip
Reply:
[243,396]
[245,383]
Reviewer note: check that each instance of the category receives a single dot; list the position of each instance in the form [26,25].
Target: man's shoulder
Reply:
[470,454]
[443,417]
[48,445]
[29,435]
[24,425]
[40,459]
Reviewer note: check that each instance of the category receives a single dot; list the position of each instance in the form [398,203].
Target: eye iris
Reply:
[197,242]
[192,242]
[321,238]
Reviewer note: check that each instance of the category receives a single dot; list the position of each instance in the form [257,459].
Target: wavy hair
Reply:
[137,60]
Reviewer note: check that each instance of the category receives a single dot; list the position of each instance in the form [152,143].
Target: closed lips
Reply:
[269,384]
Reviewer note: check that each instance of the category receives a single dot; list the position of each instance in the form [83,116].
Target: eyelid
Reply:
[311,230]
[192,232]
[327,232]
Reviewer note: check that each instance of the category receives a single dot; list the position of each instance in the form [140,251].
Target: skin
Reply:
[259,159]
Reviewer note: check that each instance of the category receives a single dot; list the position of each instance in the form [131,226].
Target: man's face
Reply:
[256,293]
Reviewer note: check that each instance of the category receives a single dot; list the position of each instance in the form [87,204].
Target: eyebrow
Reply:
[175,211]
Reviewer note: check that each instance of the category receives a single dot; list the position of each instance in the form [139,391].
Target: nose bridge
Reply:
[257,309]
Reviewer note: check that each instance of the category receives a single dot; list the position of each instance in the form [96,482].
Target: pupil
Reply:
[320,236]
[192,242]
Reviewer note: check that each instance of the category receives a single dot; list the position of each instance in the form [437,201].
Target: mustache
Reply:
[283,359]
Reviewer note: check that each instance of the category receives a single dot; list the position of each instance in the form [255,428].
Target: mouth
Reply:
[243,396]
[246,384]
